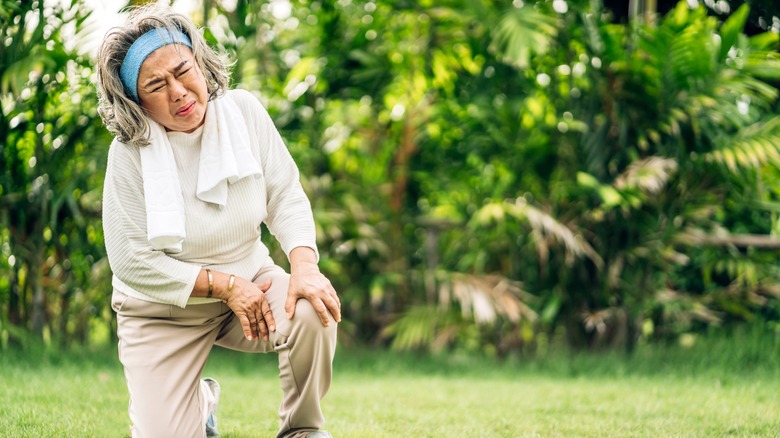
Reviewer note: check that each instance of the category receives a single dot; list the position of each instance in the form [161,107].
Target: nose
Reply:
[177,90]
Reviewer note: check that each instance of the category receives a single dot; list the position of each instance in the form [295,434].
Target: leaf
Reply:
[587,180]
[731,29]
[416,328]
[692,58]
[548,226]
[16,75]
[551,310]
[609,196]
[489,213]
[763,66]
[521,32]
[485,297]
[679,15]
[649,175]
[303,68]
[752,147]
[764,41]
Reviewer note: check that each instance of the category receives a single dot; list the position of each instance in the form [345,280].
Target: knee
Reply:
[307,320]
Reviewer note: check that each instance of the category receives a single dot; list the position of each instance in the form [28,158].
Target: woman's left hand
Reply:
[306,281]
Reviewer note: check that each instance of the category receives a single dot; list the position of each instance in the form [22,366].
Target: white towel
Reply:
[225,157]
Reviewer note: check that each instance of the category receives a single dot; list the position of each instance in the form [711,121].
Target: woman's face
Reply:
[172,89]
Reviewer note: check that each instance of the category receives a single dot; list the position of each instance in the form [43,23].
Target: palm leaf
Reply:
[763,65]
[684,308]
[692,57]
[732,87]
[546,227]
[521,32]
[648,175]
[486,297]
[754,147]
[731,29]
[419,327]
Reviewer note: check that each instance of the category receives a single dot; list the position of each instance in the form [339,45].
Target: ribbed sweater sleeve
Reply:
[132,259]
[290,217]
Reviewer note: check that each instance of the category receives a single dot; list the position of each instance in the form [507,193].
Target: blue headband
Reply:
[141,49]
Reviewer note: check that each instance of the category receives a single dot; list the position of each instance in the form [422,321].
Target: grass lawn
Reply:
[379,394]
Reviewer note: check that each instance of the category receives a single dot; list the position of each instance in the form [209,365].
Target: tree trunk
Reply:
[14,303]
[35,279]
[739,240]
[399,173]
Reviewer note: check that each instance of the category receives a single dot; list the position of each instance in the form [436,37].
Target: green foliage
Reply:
[52,156]
[660,104]
[486,177]
[584,158]
[521,31]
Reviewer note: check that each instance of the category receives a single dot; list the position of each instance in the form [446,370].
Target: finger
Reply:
[322,311]
[244,320]
[289,305]
[268,316]
[257,324]
[333,307]
[263,327]
[335,296]
[253,325]
[265,286]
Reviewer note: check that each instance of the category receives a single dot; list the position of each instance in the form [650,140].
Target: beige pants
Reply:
[164,348]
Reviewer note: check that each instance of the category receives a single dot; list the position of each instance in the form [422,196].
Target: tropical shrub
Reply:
[54,277]
[491,177]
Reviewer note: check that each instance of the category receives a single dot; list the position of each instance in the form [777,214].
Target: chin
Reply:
[195,126]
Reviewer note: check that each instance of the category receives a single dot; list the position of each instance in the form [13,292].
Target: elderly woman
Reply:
[193,172]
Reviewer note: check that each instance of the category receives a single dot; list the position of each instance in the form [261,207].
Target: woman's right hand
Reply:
[248,302]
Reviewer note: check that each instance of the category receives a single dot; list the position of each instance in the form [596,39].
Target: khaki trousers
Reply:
[163,349]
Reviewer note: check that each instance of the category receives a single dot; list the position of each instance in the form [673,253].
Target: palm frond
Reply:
[649,175]
[486,297]
[732,85]
[732,28]
[764,65]
[769,289]
[546,227]
[692,56]
[424,327]
[416,328]
[521,32]
[743,270]
[599,321]
[754,147]
[679,308]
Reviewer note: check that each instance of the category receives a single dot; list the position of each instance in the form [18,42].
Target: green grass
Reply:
[726,387]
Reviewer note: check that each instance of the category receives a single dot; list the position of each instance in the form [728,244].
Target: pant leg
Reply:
[163,349]
[305,347]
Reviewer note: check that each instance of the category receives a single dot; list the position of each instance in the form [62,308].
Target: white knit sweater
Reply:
[222,239]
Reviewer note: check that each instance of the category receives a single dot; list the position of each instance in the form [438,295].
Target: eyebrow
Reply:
[158,80]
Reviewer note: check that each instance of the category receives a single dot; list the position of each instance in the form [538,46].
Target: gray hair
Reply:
[120,113]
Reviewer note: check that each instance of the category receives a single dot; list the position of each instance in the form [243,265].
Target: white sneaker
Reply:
[211,422]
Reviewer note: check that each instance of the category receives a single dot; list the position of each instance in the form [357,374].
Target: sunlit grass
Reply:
[658,392]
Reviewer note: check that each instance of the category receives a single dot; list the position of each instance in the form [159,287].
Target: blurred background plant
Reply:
[54,272]
[487,177]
